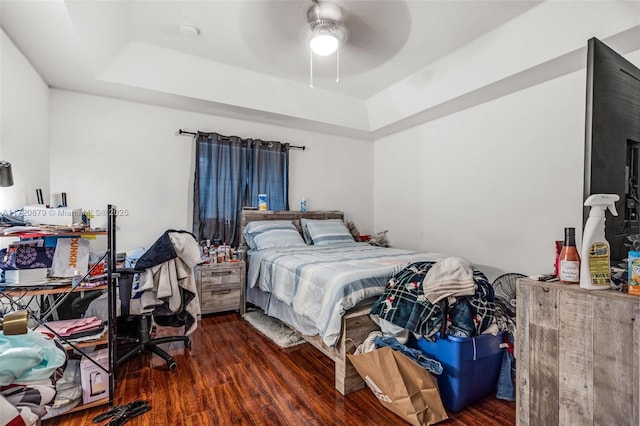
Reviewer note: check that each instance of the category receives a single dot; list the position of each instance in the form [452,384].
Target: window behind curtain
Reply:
[230,173]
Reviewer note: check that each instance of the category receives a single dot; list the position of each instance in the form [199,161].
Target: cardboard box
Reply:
[471,366]
[38,214]
[95,381]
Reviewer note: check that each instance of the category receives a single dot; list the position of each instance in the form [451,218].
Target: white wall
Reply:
[537,39]
[494,171]
[24,127]
[129,154]
[496,183]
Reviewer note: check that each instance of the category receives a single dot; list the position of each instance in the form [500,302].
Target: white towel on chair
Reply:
[452,276]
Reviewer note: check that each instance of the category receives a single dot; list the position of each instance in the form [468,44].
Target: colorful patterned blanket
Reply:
[404,304]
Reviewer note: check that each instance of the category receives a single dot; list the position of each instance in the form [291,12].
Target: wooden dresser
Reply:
[577,355]
[221,286]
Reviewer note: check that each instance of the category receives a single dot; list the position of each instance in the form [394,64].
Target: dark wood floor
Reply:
[233,375]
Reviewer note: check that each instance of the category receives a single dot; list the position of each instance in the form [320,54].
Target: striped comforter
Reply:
[322,282]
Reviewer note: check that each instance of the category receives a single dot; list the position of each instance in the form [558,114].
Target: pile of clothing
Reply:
[31,365]
[418,296]
[450,297]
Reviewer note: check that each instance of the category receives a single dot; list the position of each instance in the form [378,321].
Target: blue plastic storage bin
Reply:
[471,366]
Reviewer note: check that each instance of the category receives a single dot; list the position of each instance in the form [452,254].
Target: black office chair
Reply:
[141,325]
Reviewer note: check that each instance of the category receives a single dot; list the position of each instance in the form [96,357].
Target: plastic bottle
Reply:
[213,253]
[222,253]
[205,251]
[569,259]
[303,205]
[595,273]
[77,279]
[262,201]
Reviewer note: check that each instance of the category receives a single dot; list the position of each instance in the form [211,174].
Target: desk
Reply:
[53,294]
[58,289]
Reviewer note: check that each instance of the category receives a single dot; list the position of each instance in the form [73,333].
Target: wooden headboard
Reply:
[247,216]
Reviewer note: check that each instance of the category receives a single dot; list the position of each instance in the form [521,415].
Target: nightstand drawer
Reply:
[220,277]
[221,287]
[220,300]
[218,286]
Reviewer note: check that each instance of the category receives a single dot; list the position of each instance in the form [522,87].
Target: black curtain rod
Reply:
[184,132]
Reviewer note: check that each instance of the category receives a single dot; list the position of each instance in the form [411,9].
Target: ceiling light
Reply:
[324,43]
[327,30]
[327,33]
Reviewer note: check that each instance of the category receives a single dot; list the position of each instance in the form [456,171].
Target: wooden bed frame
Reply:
[356,324]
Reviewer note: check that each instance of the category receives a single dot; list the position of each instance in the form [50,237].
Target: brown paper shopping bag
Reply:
[402,385]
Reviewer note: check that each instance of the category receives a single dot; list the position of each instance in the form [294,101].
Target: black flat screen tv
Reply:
[612,145]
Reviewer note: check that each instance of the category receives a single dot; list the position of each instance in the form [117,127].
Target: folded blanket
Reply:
[66,328]
[452,276]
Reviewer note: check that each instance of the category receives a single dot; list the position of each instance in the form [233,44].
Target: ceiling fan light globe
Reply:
[324,44]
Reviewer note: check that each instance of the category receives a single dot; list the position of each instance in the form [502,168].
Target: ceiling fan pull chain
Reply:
[338,64]
[310,68]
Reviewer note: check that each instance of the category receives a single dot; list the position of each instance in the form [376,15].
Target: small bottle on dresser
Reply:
[77,279]
[205,251]
[213,253]
[569,259]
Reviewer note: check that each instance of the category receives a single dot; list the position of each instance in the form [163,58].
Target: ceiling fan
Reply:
[327,33]
[362,33]
[327,28]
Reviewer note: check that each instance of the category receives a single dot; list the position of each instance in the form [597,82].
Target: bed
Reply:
[324,290]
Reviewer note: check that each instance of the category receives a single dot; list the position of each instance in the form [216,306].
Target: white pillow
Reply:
[264,234]
[325,232]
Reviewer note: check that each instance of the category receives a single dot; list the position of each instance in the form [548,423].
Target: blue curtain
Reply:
[230,173]
[268,170]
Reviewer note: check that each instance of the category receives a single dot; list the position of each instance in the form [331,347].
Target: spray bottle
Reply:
[595,273]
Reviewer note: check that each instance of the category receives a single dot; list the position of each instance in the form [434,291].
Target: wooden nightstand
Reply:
[221,286]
